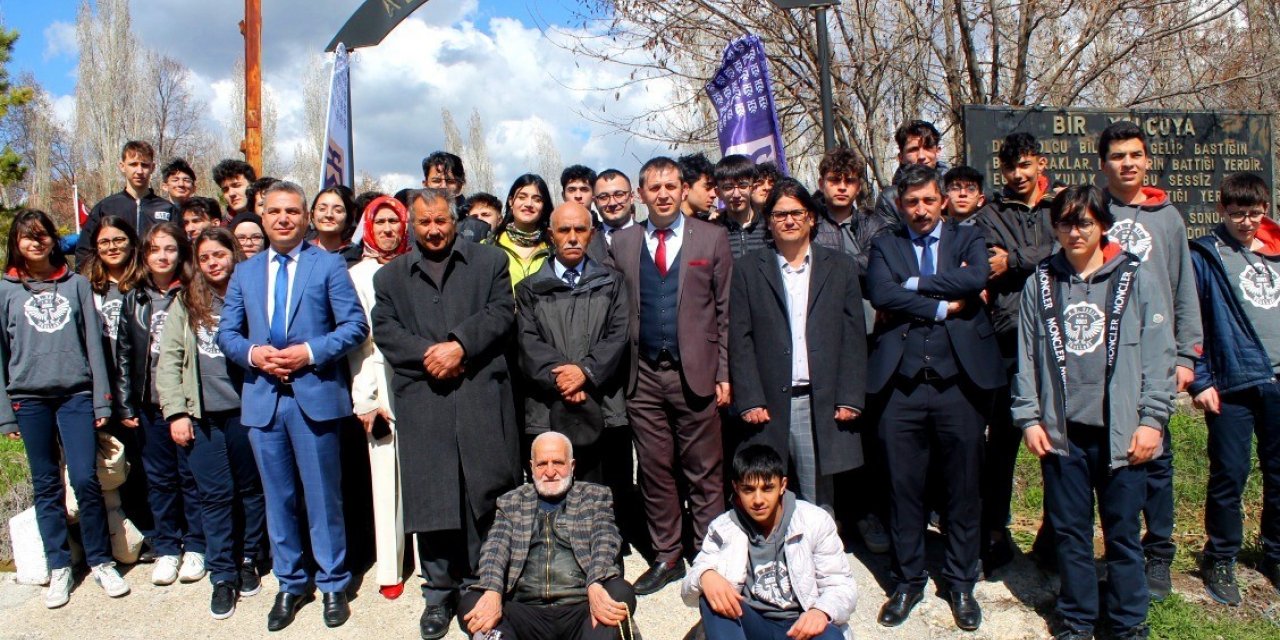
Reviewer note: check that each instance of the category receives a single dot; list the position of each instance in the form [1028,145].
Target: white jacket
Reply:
[369,371]
[816,563]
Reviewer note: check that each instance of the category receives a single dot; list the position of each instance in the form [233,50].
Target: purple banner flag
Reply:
[743,97]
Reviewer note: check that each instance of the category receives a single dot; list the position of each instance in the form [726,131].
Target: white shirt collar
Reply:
[675,227]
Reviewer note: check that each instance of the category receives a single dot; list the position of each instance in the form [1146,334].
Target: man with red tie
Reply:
[677,271]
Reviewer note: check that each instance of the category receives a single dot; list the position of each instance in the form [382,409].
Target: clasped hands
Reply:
[443,360]
[281,363]
[570,380]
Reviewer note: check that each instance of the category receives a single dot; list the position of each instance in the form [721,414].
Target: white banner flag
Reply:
[337,168]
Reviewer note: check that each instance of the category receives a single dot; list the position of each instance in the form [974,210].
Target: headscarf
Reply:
[370,240]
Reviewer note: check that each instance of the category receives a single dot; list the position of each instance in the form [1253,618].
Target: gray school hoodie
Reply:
[51,344]
[1155,232]
[1142,387]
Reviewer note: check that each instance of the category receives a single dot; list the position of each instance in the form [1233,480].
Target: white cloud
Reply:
[513,74]
[60,40]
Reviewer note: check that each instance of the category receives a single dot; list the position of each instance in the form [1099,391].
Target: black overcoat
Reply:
[760,353]
[454,431]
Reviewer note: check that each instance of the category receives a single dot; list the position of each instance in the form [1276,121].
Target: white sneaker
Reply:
[109,579]
[165,571]
[59,588]
[192,567]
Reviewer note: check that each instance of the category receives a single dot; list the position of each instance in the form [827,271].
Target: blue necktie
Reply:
[926,255]
[571,277]
[279,334]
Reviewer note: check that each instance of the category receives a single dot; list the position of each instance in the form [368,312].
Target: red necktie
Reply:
[660,256]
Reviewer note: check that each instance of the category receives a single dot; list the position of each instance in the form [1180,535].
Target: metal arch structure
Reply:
[372,21]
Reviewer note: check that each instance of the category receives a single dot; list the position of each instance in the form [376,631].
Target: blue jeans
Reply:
[44,422]
[226,474]
[171,489]
[752,626]
[1244,413]
[1070,482]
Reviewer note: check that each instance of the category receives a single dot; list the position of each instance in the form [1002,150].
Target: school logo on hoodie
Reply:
[1133,237]
[157,328]
[111,317]
[1260,285]
[206,340]
[47,311]
[1083,322]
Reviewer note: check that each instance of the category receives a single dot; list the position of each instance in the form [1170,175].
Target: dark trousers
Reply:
[557,622]
[927,423]
[44,424]
[298,462]
[1070,483]
[1252,411]
[449,558]
[171,489]
[752,626]
[222,462]
[998,463]
[1158,508]
[675,427]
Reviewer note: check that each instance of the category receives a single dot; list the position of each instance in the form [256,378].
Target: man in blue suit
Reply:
[291,315]
[935,362]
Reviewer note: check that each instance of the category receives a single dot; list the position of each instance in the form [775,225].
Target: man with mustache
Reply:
[548,568]
[443,316]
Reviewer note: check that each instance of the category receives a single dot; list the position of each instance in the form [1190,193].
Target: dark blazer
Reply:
[760,352]
[702,320]
[961,275]
[587,520]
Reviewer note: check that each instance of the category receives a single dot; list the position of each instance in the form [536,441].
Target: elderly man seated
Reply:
[548,568]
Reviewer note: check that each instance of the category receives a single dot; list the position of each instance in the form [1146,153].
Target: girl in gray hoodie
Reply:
[54,390]
[1092,394]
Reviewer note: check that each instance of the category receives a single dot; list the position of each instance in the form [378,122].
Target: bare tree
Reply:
[272,163]
[309,154]
[452,137]
[894,60]
[547,158]
[174,113]
[479,167]
[107,87]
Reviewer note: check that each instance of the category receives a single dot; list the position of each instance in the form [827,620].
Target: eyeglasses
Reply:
[109,243]
[1083,226]
[797,214]
[257,237]
[963,188]
[606,198]
[1238,215]
[180,180]
[730,187]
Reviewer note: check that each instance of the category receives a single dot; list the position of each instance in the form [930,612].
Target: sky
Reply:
[490,55]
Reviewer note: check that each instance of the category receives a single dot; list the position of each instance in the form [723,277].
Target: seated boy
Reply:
[964,194]
[772,567]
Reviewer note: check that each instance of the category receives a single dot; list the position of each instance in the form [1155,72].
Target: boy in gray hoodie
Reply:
[1092,395]
[1149,227]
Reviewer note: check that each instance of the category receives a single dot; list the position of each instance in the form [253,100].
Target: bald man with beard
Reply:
[581,595]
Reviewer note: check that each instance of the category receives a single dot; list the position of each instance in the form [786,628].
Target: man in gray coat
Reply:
[573,328]
[443,317]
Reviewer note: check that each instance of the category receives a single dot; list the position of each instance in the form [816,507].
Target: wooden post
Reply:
[251,29]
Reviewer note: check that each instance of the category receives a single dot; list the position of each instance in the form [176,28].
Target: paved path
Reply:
[181,611]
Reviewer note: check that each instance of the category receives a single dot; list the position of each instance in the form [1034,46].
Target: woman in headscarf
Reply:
[386,235]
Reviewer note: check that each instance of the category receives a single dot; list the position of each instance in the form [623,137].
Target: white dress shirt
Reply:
[291,272]
[673,241]
[609,231]
[795,280]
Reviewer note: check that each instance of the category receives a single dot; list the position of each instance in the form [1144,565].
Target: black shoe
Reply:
[250,583]
[1220,581]
[1072,634]
[1159,583]
[997,555]
[434,623]
[658,576]
[336,609]
[1140,632]
[285,608]
[223,603]
[898,608]
[965,610]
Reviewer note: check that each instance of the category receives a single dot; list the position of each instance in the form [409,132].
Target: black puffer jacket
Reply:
[587,325]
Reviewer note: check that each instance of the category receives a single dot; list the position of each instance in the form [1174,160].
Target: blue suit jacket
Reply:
[324,312]
[961,275]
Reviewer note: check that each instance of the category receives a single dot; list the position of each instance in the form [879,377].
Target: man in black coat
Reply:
[797,347]
[443,318]
[934,361]
[136,204]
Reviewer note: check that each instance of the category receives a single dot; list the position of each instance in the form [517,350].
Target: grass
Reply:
[15,491]
[1182,617]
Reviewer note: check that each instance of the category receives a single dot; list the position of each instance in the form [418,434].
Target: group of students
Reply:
[1091,296]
